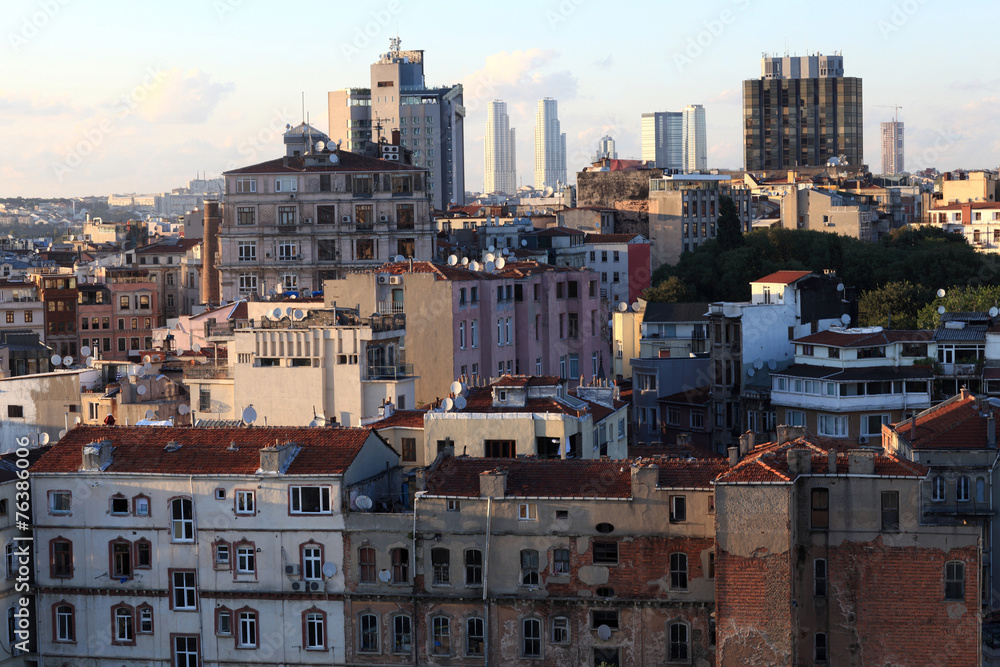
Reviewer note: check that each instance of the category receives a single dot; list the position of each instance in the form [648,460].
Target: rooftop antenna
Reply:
[303,106]
[378,130]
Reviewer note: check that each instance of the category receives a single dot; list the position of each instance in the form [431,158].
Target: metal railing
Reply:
[208,372]
[390,372]
[390,307]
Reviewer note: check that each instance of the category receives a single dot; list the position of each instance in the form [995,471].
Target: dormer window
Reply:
[501,395]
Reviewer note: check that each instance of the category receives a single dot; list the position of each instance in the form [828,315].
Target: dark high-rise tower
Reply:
[800,113]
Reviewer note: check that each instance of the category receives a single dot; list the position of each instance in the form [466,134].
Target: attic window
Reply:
[502,395]
[172,446]
[220,494]
[605,528]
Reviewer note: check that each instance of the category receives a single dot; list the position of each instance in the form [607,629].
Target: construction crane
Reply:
[892,106]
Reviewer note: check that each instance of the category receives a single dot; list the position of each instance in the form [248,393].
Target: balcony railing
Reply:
[208,372]
[968,508]
[390,307]
[225,327]
[968,370]
[390,372]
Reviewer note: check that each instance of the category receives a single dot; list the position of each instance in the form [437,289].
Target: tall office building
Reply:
[500,174]
[431,121]
[695,139]
[802,112]
[892,148]
[550,146]
[606,149]
[663,139]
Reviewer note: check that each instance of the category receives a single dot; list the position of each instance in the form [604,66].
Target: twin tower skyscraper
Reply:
[500,173]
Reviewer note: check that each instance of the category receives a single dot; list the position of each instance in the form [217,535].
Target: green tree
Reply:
[671,290]
[894,305]
[728,231]
[959,300]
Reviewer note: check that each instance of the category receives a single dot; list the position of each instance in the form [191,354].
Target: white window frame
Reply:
[312,562]
[186,590]
[246,184]
[249,635]
[246,559]
[56,507]
[939,489]
[286,184]
[527,512]
[288,250]
[246,502]
[246,251]
[963,488]
[184,524]
[315,631]
[295,498]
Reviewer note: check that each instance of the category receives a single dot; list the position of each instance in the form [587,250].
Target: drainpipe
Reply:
[486,579]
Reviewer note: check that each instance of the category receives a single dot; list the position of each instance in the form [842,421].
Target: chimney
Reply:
[744,445]
[276,458]
[913,427]
[420,479]
[964,393]
[861,462]
[645,475]
[493,483]
[96,456]
[831,462]
[788,433]
[799,461]
[683,439]
[991,431]
[734,456]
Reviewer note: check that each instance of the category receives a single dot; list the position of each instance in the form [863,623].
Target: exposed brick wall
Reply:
[753,609]
[603,188]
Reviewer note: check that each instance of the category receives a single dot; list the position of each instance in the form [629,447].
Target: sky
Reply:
[109,96]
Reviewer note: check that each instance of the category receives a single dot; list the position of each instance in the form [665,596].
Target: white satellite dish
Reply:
[399,258]
[56,360]
[465,261]
[146,359]
[249,415]
[90,362]
[750,372]
[329,569]
[604,632]
[44,439]
[474,266]
[845,318]
[141,389]
[524,242]
[276,313]
[993,311]
[622,307]
[491,249]
[840,287]
[385,576]
[62,434]
[67,361]
[363,502]
[299,314]
[447,404]
[941,310]
[941,293]
[456,387]
[460,402]
[150,414]
[79,420]
[501,262]
[772,364]
[146,366]
[635,306]
[320,145]
[452,260]
[334,159]
[489,257]
[183,409]
[490,266]
[85,351]
[758,363]
[289,310]
[196,347]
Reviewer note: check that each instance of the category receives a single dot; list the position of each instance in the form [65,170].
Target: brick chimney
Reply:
[734,456]
[831,462]
[799,461]
[861,462]
[645,475]
[493,483]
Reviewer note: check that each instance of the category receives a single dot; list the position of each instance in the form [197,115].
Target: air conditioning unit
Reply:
[298,257]
[383,218]
[383,278]
[395,280]
[298,586]
[292,570]
[314,585]
[307,221]
[345,218]
[862,439]
[391,156]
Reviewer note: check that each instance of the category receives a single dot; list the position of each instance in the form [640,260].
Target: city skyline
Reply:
[164,106]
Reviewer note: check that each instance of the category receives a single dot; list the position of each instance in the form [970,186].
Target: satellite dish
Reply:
[364,502]
[85,351]
[141,389]
[622,307]
[941,293]
[320,145]
[146,359]
[941,310]
[147,365]
[67,361]
[384,576]
[501,262]
[299,314]
[56,360]
[334,159]
[491,249]
[62,434]
[399,258]
[276,313]
[196,347]
[456,387]
[635,306]
[249,415]
[329,569]
[452,260]
[474,266]
[44,439]
[183,408]
[447,404]
[845,318]
[604,632]
[289,310]
[90,362]
[223,303]
[150,414]
[993,311]
[460,402]
[750,372]
[489,257]
[271,292]
[772,364]
[490,266]
[79,420]
[840,287]
[758,363]
[465,261]
[524,242]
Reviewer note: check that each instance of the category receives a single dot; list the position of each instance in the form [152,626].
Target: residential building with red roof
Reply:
[818,544]
[22,307]
[226,544]
[175,264]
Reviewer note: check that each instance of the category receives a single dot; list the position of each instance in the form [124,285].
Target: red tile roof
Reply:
[178,246]
[527,381]
[783,277]
[954,424]
[205,451]
[480,399]
[550,478]
[690,473]
[976,205]
[853,338]
[402,418]
[695,396]
[348,162]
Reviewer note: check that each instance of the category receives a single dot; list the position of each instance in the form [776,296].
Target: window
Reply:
[605,553]
[140,506]
[315,629]
[124,625]
[247,251]
[123,303]
[310,499]
[246,559]
[181,520]
[119,505]
[980,490]
[222,555]
[527,512]
[121,559]
[560,630]
[247,283]
[60,502]
[400,566]
[698,419]
[529,567]
[608,617]
[531,638]
[368,638]
[285,184]
[475,636]
[143,303]
[954,580]
[673,416]
[10,567]
[834,426]
[938,489]
[819,647]
[287,251]
[473,339]
[962,490]
[143,554]
[441,564]
[440,635]
[795,418]
[185,649]
[819,577]
[678,509]
[560,560]
[246,184]
[678,650]
[820,506]
[473,567]
[184,593]
[890,510]
[248,629]
[145,620]
[61,554]
[312,562]
[245,502]
[64,625]
[402,634]
[366,565]
[679,571]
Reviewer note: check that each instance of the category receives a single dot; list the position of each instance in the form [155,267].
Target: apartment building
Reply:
[624,263]
[166,264]
[22,307]
[201,546]
[58,293]
[835,544]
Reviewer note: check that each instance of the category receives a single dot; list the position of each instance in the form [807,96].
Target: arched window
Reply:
[368,633]
[531,638]
[475,636]
[441,635]
[247,637]
[64,622]
[980,490]
[402,634]
[314,626]
[678,637]
[123,622]
[937,489]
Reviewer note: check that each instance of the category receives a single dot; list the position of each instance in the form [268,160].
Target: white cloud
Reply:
[174,96]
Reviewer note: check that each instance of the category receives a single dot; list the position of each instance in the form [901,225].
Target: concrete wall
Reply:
[48,402]
[604,188]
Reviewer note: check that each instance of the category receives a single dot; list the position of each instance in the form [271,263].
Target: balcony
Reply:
[225,328]
[208,372]
[969,508]
[394,372]
[389,307]
[960,370]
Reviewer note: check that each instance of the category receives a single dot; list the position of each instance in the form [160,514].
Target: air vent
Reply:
[172,446]
[604,592]
[605,528]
